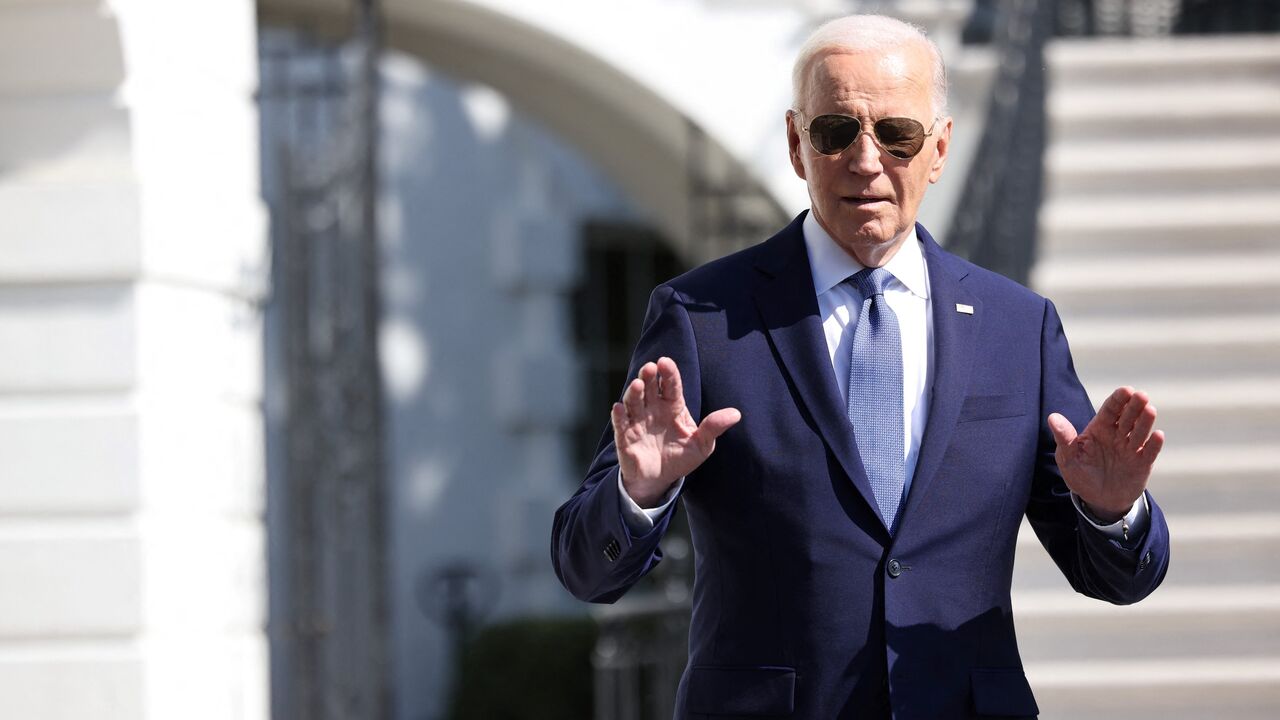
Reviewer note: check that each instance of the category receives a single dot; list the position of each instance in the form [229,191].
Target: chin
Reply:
[867,235]
[866,244]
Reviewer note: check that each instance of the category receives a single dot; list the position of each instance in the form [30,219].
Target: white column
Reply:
[132,252]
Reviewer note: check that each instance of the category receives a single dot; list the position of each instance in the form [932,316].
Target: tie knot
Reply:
[871,281]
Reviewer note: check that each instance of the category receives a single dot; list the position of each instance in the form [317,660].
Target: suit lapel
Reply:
[785,297]
[954,336]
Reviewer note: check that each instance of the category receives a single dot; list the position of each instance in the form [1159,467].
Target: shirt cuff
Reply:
[641,520]
[1129,529]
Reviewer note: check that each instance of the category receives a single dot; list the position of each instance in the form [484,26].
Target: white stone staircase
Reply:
[1160,243]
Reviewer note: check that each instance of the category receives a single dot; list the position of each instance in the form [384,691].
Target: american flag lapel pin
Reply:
[962,308]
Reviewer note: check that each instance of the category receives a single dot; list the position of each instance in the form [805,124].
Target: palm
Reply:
[1108,464]
[657,439]
[661,443]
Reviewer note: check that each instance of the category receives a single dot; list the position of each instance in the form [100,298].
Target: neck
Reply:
[871,255]
[874,256]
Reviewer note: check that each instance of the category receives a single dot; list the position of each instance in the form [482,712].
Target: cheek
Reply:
[819,177]
[912,185]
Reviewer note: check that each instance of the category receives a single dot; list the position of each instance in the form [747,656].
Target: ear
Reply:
[793,143]
[940,155]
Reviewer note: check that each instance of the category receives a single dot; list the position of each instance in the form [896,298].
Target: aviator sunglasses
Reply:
[901,137]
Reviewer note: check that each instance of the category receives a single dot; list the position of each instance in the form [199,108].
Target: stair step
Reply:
[1228,479]
[1203,285]
[1226,110]
[1177,61]
[1119,229]
[1184,274]
[1171,347]
[1206,212]
[1160,244]
[1256,297]
[1229,97]
[1215,620]
[1168,689]
[1209,412]
[1217,478]
[1158,167]
[1233,548]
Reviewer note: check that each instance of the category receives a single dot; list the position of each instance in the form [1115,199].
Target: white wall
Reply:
[131,250]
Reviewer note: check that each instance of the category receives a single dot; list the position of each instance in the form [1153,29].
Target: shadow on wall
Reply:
[45,127]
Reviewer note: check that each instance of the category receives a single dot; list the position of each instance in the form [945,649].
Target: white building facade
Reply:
[134,273]
[132,246]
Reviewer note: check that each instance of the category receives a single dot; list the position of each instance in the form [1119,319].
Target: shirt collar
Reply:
[831,265]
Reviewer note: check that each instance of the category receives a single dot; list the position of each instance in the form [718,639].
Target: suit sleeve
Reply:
[1093,563]
[595,555]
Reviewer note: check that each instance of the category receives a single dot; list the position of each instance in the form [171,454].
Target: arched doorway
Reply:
[484,302]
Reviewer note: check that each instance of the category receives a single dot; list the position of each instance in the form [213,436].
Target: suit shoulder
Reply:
[993,284]
[731,277]
[719,279]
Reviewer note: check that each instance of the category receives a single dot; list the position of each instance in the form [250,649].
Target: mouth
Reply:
[863,200]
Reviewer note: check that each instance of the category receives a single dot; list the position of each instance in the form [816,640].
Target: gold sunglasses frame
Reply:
[868,128]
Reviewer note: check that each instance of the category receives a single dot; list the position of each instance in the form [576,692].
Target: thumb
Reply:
[1063,431]
[714,425]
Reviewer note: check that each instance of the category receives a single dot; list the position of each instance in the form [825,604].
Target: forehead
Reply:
[870,82]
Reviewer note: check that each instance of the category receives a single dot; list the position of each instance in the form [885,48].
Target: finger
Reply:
[671,386]
[1142,427]
[1109,413]
[714,425]
[1152,449]
[1129,415]
[633,399]
[1063,431]
[649,375]
[618,416]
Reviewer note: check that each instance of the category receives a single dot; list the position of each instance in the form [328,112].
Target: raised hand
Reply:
[1108,464]
[658,442]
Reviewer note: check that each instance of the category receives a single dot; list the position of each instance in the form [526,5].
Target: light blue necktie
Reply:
[875,392]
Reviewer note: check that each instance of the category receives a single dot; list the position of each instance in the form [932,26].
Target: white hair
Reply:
[858,33]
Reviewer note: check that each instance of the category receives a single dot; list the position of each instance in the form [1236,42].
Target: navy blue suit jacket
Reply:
[804,606]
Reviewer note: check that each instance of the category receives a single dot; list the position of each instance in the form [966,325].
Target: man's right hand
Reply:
[658,442]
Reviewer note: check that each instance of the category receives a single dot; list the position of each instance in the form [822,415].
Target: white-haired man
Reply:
[882,416]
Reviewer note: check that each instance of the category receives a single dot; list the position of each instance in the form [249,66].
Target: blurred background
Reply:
[311,313]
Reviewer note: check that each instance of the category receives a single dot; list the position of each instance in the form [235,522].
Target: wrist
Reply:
[645,498]
[1104,516]
[646,502]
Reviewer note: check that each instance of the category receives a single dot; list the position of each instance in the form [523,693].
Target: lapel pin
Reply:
[962,308]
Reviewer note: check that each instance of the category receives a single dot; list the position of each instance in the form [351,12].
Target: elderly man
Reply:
[856,422]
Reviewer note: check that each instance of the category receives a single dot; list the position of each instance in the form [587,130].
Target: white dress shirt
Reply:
[839,305]
[907,294]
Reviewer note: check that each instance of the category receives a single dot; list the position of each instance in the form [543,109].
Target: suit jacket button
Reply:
[894,568]
[612,551]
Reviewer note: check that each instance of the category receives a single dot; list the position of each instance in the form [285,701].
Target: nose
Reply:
[864,155]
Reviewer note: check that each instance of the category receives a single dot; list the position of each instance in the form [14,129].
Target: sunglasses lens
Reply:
[900,137]
[831,134]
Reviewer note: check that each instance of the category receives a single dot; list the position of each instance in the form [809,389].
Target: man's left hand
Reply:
[1108,464]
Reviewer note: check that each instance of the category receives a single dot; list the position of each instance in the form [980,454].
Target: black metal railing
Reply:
[328,622]
[995,221]
[995,224]
[1147,18]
